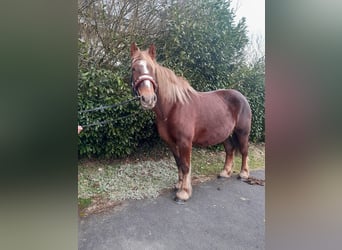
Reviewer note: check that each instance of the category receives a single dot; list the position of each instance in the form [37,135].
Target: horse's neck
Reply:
[162,109]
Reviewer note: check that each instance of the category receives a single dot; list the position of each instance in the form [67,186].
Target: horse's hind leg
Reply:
[243,147]
[230,149]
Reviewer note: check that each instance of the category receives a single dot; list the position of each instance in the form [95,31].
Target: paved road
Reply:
[222,214]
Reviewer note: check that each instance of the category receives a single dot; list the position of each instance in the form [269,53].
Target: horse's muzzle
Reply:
[148,101]
[146,88]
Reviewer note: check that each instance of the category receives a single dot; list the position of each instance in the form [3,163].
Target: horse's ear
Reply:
[134,48]
[152,51]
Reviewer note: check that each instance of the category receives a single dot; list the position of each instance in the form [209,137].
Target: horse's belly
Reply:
[207,136]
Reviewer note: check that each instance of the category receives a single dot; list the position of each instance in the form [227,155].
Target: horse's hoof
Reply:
[179,201]
[224,174]
[183,195]
[242,177]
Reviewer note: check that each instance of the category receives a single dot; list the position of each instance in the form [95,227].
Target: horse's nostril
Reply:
[143,98]
[154,98]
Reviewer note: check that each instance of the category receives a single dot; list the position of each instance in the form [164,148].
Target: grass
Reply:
[106,182]
[210,161]
[84,203]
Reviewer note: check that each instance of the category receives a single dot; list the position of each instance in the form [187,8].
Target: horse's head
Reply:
[143,75]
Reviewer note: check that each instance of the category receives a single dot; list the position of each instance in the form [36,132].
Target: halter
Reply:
[137,82]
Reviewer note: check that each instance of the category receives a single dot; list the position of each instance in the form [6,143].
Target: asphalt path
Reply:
[221,214]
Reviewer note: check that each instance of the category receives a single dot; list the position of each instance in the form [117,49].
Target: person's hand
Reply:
[79,128]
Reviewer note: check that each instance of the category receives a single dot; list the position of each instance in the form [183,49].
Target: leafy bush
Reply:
[124,126]
[203,43]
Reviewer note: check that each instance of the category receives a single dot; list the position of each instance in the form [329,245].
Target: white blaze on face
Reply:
[143,65]
[144,70]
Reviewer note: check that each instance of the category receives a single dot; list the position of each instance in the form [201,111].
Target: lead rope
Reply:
[101,108]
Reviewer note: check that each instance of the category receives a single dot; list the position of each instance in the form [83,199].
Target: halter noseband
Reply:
[140,79]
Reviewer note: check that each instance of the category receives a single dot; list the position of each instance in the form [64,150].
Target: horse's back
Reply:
[233,99]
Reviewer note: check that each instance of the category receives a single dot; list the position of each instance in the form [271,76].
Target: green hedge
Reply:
[125,125]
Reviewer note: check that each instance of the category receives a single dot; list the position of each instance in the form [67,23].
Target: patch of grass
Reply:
[211,161]
[206,162]
[126,181]
[83,203]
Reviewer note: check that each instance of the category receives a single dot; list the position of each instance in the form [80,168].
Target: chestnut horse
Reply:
[185,117]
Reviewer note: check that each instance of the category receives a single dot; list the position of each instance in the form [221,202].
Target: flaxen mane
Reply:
[172,88]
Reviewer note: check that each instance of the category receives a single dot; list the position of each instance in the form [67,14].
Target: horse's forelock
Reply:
[143,55]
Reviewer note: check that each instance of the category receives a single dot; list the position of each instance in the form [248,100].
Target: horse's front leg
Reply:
[180,172]
[185,190]
[175,152]
[180,179]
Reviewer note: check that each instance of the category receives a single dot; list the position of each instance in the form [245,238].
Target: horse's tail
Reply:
[235,142]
